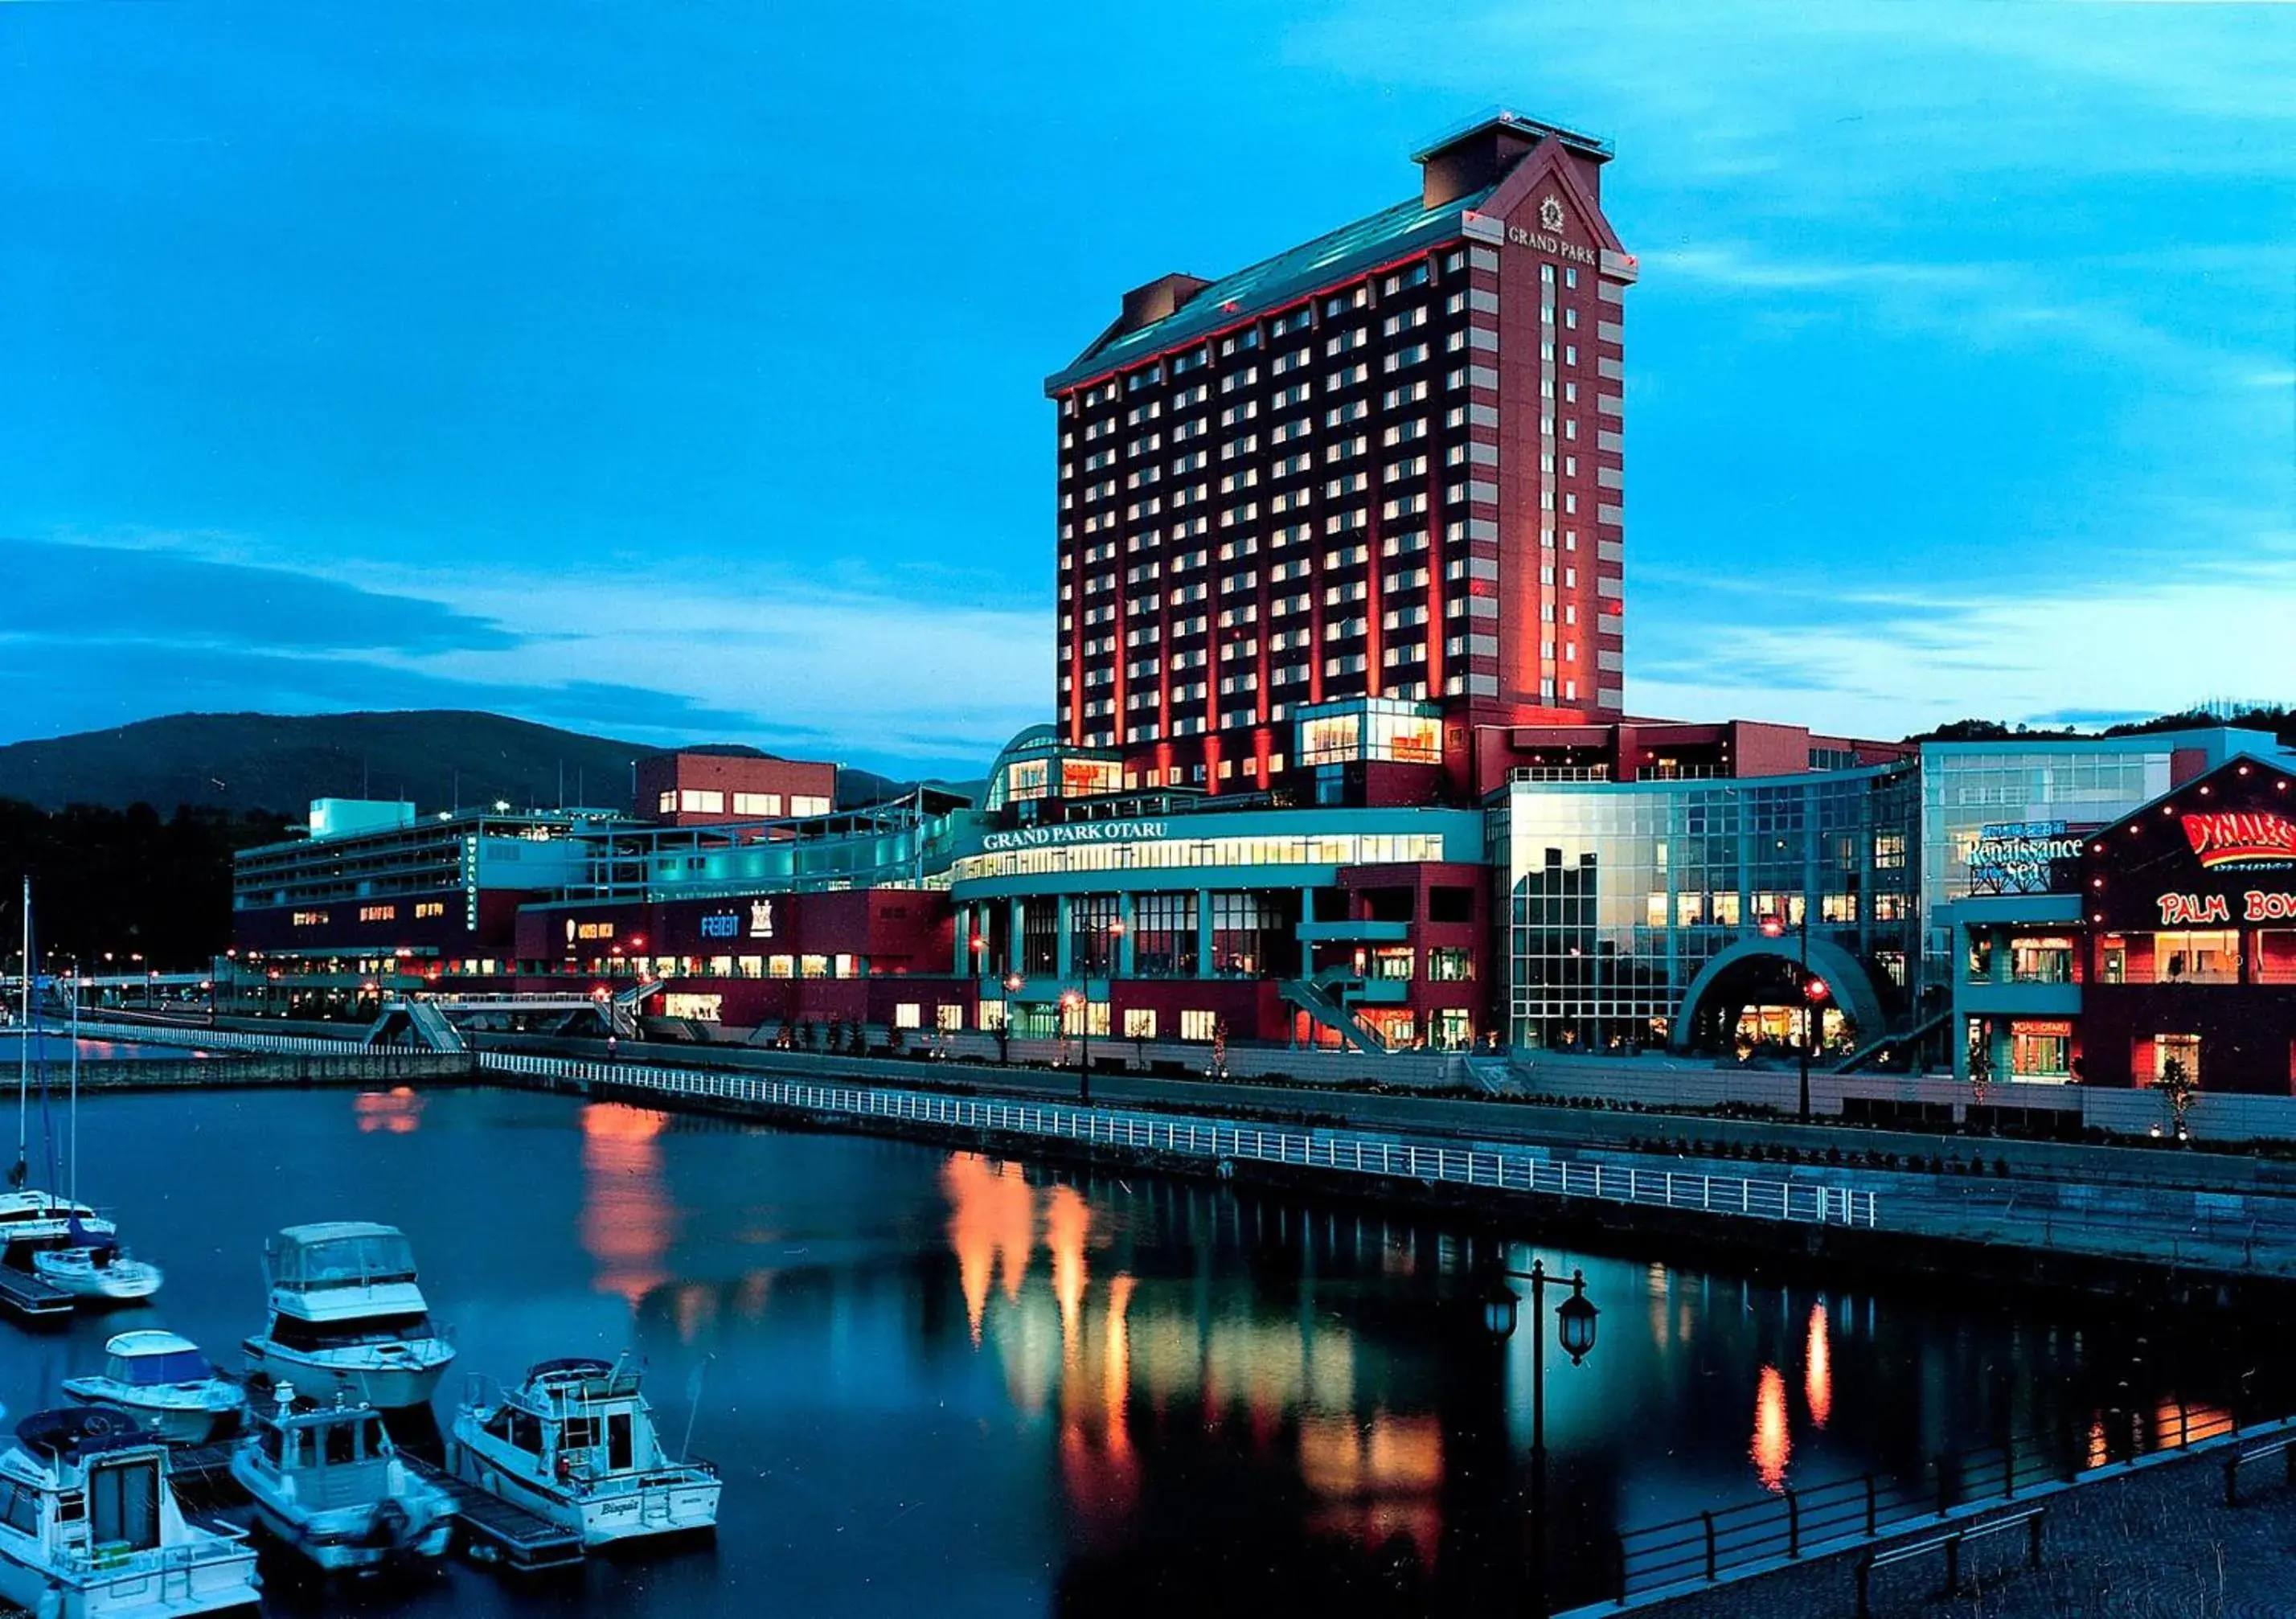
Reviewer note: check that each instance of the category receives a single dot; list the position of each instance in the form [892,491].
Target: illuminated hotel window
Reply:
[668,803]
[1198,1025]
[1139,1023]
[802,803]
[949,1017]
[781,967]
[757,804]
[814,967]
[700,801]
[992,1015]
[908,1015]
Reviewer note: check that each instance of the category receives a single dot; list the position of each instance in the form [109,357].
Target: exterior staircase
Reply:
[1330,995]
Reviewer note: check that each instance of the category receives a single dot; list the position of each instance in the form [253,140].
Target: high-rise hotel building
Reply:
[1361,500]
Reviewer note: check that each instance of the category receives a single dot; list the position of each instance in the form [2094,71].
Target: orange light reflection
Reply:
[1817,1371]
[627,1216]
[1772,1447]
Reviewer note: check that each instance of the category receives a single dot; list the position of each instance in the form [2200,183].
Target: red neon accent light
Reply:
[2232,838]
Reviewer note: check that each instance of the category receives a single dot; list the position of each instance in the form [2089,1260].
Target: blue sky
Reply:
[675,372]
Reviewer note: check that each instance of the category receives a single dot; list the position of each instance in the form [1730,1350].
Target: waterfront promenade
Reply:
[2077,1213]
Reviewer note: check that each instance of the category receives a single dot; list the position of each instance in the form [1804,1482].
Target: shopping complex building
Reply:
[1339,757]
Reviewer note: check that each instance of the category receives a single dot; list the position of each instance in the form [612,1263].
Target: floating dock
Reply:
[493,1531]
[31,1298]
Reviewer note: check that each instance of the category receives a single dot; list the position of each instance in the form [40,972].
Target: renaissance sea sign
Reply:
[2026,857]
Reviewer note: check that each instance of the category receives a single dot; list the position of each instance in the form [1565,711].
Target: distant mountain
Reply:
[436,758]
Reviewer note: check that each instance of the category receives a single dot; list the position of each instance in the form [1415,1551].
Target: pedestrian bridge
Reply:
[435,1021]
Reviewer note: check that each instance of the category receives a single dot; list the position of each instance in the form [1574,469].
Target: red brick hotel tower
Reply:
[1382,464]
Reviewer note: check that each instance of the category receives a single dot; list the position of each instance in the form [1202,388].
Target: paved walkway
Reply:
[2156,1543]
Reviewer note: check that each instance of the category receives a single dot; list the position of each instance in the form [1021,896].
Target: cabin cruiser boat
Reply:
[576,1443]
[328,1481]
[68,1245]
[165,1386]
[347,1317]
[91,1528]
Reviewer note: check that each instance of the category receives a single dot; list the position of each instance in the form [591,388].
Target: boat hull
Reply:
[679,1504]
[386,1382]
[150,1585]
[121,1282]
[337,1551]
[171,1425]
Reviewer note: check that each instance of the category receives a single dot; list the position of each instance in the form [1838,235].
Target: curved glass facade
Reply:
[1613,897]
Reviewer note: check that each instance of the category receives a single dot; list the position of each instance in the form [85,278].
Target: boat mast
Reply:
[72,1186]
[24,1044]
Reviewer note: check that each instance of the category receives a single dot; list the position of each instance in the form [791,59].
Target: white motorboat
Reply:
[68,1245]
[163,1384]
[576,1443]
[92,1528]
[328,1483]
[348,1317]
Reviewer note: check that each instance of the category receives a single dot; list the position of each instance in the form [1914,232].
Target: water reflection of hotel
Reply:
[1088,1347]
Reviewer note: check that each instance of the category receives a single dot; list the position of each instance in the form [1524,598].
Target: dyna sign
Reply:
[2240,838]
[1072,832]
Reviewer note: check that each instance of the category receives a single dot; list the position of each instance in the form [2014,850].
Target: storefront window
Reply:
[2275,956]
[2041,960]
[814,967]
[2041,1051]
[2196,958]
[1453,1029]
[1164,936]
[2183,1050]
[1198,1025]
[992,1015]
[1139,1023]
[948,1018]
[1391,961]
[2112,961]
[908,1015]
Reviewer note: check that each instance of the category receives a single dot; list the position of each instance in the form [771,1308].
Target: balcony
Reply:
[1353,932]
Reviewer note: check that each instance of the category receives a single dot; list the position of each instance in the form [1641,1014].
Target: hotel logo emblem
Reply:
[761,919]
[1550,214]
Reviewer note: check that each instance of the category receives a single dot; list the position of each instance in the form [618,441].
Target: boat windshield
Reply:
[175,1366]
[348,1260]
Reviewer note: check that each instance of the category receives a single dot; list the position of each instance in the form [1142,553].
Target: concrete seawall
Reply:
[2085,1217]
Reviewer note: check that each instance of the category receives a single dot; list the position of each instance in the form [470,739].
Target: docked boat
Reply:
[59,1239]
[165,1386]
[327,1482]
[67,1245]
[92,1528]
[576,1443]
[348,1317]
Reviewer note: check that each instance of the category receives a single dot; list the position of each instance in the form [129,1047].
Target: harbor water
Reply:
[940,1383]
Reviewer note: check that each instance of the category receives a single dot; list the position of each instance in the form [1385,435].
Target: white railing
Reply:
[215,1040]
[1344,1152]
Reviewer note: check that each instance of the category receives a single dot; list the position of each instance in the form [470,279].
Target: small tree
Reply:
[895,1040]
[836,1035]
[1980,1068]
[807,1034]
[859,1046]
[2179,1088]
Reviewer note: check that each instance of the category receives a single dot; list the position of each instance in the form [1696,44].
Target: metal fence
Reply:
[1845,1513]
[215,1040]
[1340,1152]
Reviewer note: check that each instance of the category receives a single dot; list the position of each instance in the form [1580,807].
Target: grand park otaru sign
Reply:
[1067,833]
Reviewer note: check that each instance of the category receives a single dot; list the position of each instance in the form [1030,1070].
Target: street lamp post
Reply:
[1814,993]
[1574,1323]
[1012,983]
[1082,999]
